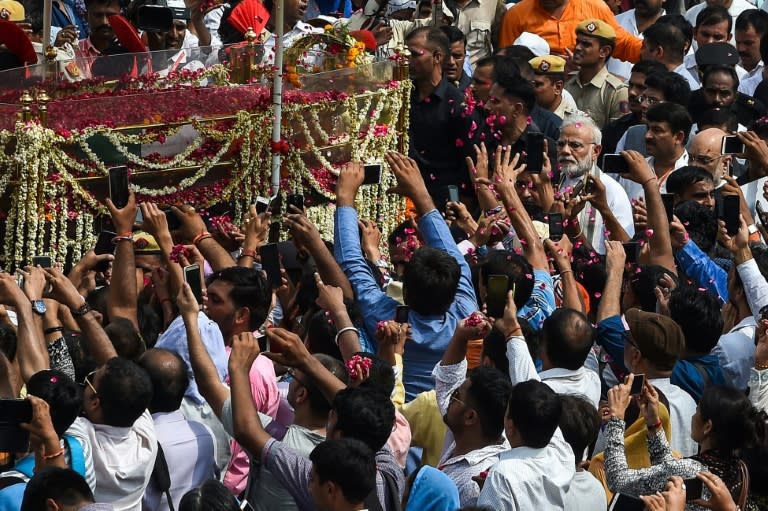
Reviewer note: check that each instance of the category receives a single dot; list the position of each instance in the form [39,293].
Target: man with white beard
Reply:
[578,149]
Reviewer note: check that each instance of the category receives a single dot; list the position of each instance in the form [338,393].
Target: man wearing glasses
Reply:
[704,152]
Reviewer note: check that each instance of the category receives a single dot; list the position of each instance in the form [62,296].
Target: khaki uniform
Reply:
[604,98]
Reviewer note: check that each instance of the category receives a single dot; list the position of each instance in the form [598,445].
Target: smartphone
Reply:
[193,277]
[577,189]
[42,261]
[732,145]
[763,315]
[534,152]
[453,193]
[694,487]
[296,200]
[401,313]
[118,186]
[13,412]
[372,174]
[172,220]
[139,217]
[623,502]
[637,385]
[669,204]
[496,296]
[615,164]
[730,214]
[761,214]
[264,343]
[632,250]
[556,226]
[270,263]
[262,205]
[104,245]
[274,232]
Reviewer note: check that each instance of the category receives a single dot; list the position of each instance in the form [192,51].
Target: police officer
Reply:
[549,85]
[597,92]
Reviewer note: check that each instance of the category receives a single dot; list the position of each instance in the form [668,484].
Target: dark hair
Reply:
[454,34]
[33,12]
[249,289]
[89,3]
[516,87]
[674,87]
[682,24]
[643,283]
[430,281]
[698,314]
[490,60]
[381,376]
[365,413]
[150,324]
[580,424]
[675,115]
[718,118]
[349,464]
[679,180]
[212,495]
[63,395]
[567,336]
[318,403]
[63,485]
[721,68]
[519,54]
[124,391]
[124,337]
[8,342]
[756,18]
[669,36]
[489,391]
[517,269]
[648,67]
[495,348]
[535,409]
[436,38]
[713,15]
[700,223]
[735,422]
[168,373]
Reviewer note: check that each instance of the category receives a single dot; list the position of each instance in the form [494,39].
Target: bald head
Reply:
[704,152]
[168,373]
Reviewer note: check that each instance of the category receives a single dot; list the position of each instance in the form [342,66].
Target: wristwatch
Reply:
[39,307]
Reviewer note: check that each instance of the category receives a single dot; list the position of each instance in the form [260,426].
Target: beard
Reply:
[575,168]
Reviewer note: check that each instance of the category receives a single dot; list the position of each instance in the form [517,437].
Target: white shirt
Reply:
[753,78]
[628,22]
[122,458]
[692,80]
[585,494]
[581,382]
[736,8]
[689,61]
[635,190]
[681,409]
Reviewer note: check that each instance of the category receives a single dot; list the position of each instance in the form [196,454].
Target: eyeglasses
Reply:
[575,146]
[292,373]
[455,397]
[704,160]
[648,99]
[87,381]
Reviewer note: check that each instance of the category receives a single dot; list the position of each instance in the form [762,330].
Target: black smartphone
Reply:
[401,313]
[615,164]
[270,263]
[761,214]
[556,226]
[263,343]
[172,220]
[632,251]
[118,186]
[669,204]
[296,200]
[104,245]
[577,189]
[496,295]
[732,145]
[372,174]
[623,502]
[42,261]
[637,385]
[12,413]
[262,205]
[453,193]
[193,277]
[274,232]
[694,487]
[730,214]
[534,152]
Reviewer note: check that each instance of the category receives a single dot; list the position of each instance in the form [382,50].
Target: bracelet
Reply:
[53,330]
[655,426]
[202,236]
[648,181]
[126,236]
[761,366]
[54,455]
[246,252]
[81,311]
[565,271]
[343,330]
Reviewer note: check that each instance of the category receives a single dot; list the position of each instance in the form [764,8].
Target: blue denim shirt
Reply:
[430,334]
[701,268]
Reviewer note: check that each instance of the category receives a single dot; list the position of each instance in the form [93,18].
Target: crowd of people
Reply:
[573,313]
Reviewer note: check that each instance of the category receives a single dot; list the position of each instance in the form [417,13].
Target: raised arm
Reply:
[331,299]
[561,252]
[599,201]
[478,169]
[610,303]
[122,296]
[247,426]
[194,231]
[156,224]
[31,353]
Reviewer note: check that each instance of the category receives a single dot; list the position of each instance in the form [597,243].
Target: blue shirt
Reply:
[430,334]
[688,376]
[701,268]
[542,301]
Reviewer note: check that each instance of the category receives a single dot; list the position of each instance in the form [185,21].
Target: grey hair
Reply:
[583,120]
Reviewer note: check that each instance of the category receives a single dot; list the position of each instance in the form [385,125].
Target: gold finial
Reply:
[26,106]
[250,35]
[50,53]
[42,107]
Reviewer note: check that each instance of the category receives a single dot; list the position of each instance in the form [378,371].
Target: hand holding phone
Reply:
[372,174]
[194,277]
[270,263]
[730,214]
[401,314]
[42,261]
[638,383]
[13,438]
[296,200]
[615,164]
[534,152]
[732,145]
[632,251]
[556,226]
[118,186]
[496,296]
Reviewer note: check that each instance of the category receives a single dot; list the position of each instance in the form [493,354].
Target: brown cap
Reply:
[658,337]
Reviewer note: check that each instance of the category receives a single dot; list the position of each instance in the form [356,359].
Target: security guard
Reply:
[597,92]
[549,85]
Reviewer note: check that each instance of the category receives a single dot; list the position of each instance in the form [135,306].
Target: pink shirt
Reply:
[266,397]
